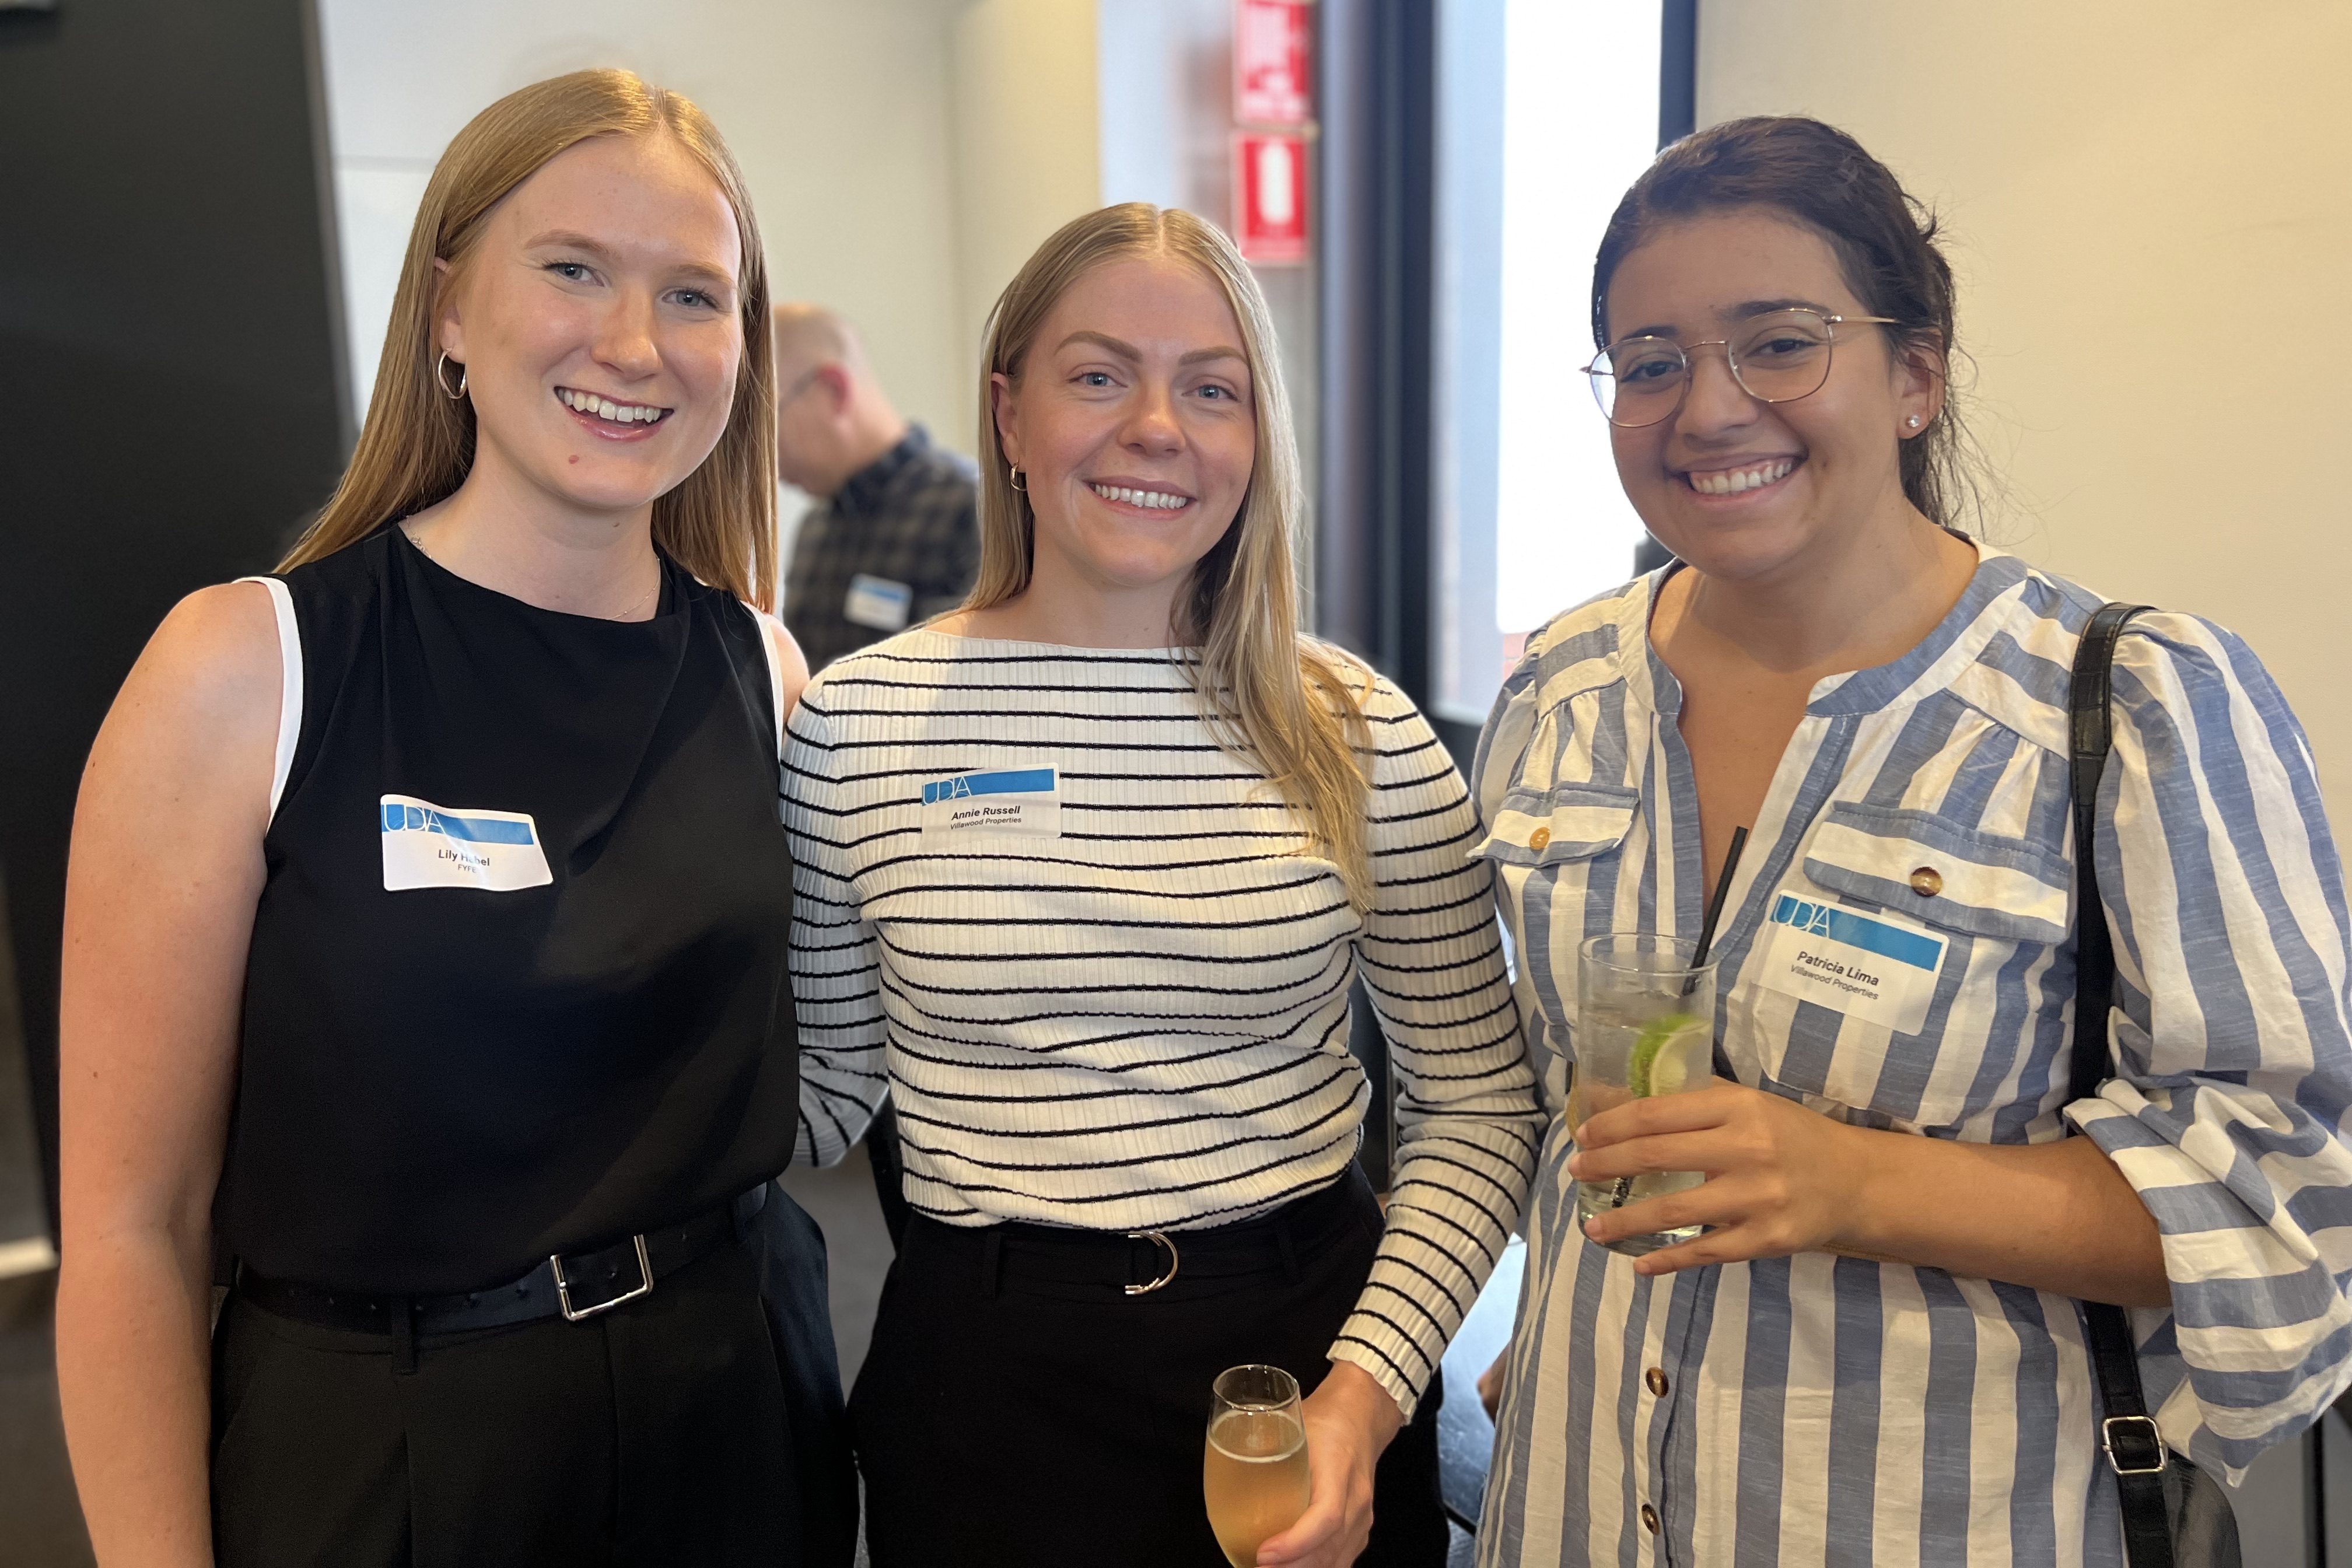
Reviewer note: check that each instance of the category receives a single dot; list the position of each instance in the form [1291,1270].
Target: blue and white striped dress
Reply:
[1831,1410]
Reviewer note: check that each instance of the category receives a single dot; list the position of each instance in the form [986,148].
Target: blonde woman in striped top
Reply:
[1086,870]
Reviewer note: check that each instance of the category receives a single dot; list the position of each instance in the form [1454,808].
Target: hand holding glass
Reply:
[1254,1472]
[1645,1026]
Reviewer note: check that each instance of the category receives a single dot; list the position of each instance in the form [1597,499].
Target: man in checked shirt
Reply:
[894,538]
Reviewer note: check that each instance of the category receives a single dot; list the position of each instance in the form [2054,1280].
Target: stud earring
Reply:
[1913,422]
[441,379]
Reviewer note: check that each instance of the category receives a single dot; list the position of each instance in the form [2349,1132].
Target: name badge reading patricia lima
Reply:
[1874,967]
[1023,801]
[429,846]
[877,602]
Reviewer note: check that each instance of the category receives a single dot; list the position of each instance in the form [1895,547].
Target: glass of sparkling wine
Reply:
[1255,1470]
[1645,1026]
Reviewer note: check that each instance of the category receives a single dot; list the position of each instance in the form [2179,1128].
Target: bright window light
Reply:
[1579,122]
[1547,112]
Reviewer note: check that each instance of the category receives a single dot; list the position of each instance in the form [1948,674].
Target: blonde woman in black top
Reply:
[426,938]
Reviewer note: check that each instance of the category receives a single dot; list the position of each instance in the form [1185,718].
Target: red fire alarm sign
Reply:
[1271,82]
[1270,188]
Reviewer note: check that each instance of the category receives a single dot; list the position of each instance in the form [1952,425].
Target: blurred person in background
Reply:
[893,541]
[895,537]
[1087,869]
[426,938]
[1869,1347]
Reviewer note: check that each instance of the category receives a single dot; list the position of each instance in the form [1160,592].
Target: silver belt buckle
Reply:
[2155,1437]
[563,1287]
[1173,1261]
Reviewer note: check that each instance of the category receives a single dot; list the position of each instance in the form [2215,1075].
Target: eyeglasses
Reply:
[1778,357]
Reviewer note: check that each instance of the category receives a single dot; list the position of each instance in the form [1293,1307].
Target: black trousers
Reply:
[700,1424]
[1016,1408]
[890,1172]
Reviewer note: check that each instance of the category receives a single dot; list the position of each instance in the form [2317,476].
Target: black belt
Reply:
[576,1286]
[1137,1263]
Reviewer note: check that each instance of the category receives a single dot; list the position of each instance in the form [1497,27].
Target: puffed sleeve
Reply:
[2225,897]
[1467,1122]
[835,961]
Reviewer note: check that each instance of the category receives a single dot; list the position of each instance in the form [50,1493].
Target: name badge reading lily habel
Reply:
[429,846]
[877,602]
[1023,801]
[1874,967]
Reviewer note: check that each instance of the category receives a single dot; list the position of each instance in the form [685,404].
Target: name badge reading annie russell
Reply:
[1874,967]
[1022,801]
[429,846]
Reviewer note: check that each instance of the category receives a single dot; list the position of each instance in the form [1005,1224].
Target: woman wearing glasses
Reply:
[1873,1352]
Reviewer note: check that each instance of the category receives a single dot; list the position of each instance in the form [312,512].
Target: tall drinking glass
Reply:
[1254,1472]
[1645,1026]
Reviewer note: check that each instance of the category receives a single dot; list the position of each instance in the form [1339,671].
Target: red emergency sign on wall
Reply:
[1270,189]
[1271,82]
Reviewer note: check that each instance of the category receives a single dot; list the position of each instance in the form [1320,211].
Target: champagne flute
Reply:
[1254,1472]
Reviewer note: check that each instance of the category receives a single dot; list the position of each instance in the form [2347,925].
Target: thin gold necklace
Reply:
[628,614]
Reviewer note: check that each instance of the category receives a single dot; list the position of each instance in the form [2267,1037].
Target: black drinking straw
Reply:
[1715,906]
[1624,1188]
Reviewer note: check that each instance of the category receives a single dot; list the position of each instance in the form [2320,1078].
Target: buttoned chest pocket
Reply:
[1554,850]
[1995,1017]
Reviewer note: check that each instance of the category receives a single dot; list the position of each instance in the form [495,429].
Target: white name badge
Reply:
[429,846]
[1024,801]
[879,602]
[1874,967]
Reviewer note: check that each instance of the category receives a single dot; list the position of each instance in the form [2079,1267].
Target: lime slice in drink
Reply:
[1667,1054]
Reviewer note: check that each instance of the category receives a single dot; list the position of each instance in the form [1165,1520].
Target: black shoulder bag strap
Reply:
[2127,1435]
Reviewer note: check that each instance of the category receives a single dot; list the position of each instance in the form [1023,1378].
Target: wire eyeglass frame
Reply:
[1603,376]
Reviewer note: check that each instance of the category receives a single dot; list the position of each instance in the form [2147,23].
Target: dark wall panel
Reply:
[1377,66]
[175,410]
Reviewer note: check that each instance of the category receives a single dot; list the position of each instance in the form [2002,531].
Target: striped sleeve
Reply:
[835,962]
[1468,1126]
[2226,899]
[1502,743]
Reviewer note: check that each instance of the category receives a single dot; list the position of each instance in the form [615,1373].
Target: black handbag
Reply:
[2174,1514]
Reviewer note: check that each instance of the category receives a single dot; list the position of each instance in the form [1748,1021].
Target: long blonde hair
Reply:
[417,444]
[1274,697]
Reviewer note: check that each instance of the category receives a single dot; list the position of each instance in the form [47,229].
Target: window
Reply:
[1546,114]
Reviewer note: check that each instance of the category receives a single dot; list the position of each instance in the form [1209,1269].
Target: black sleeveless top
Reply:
[545,1034]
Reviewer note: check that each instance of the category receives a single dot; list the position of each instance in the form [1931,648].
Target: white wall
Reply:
[837,110]
[2150,206]
[1025,155]
[1167,124]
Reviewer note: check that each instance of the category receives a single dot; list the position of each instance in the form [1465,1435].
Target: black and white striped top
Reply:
[1139,1021]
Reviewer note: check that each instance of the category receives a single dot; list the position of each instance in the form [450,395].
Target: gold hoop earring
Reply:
[441,379]
[1014,478]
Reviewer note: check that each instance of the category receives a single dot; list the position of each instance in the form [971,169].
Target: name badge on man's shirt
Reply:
[879,602]
[1874,967]
[429,846]
[1022,801]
